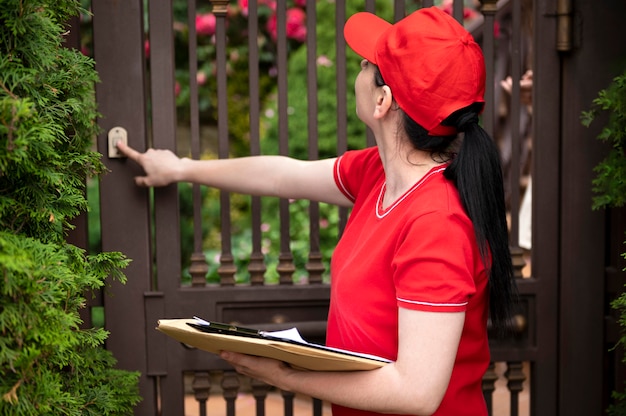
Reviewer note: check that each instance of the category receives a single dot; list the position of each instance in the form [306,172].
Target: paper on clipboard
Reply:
[296,352]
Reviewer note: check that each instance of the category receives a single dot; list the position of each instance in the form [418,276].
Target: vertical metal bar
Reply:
[288,402]
[427,3]
[342,112]
[546,212]
[370,140]
[515,382]
[318,406]
[489,386]
[198,267]
[227,267]
[167,256]
[489,8]
[259,392]
[399,10]
[517,253]
[163,118]
[201,386]
[256,267]
[516,75]
[340,77]
[458,10]
[158,365]
[166,210]
[314,266]
[230,389]
[161,61]
[285,266]
[118,53]
[193,107]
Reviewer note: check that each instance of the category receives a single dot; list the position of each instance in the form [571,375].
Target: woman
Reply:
[424,256]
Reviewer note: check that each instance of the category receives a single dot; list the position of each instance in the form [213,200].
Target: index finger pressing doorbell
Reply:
[117,134]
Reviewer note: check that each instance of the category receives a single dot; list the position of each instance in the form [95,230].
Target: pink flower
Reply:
[176,89]
[323,60]
[296,24]
[296,28]
[146,48]
[205,24]
[244,5]
[269,3]
[201,77]
[270,26]
[266,246]
[300,3]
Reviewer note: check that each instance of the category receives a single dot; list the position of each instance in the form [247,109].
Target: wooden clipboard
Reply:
[302,356]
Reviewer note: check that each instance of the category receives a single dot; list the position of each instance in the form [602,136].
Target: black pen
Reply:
[223,328]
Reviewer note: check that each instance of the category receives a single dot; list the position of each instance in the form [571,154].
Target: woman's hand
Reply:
[267,370]
[162,167]
[414,384]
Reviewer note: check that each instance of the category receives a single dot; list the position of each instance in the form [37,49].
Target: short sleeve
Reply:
[353,168]
[435,263]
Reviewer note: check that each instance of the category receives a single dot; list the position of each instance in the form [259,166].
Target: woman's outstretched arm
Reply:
[278,176]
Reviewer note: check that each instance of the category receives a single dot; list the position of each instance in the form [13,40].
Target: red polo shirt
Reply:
[419,253]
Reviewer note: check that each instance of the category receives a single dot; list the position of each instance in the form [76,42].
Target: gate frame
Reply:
[570,295]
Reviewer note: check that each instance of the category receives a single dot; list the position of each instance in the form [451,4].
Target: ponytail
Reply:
[477,173]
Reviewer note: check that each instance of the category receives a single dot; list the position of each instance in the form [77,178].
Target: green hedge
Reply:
[49,364]
[609,187]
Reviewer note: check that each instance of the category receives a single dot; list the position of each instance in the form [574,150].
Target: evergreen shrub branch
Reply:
[609,185]
[49,363]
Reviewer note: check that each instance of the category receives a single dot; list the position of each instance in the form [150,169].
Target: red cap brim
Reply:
[362,31]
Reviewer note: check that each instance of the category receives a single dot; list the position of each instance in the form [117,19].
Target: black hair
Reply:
[477,174]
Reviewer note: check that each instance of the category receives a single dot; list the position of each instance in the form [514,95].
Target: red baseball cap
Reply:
[431,63]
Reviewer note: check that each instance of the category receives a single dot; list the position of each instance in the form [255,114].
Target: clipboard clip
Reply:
[223,328]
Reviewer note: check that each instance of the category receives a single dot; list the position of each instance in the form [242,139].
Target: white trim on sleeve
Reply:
[417,302]
[341,185]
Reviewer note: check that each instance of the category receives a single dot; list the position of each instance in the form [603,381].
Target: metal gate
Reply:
[553,365]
